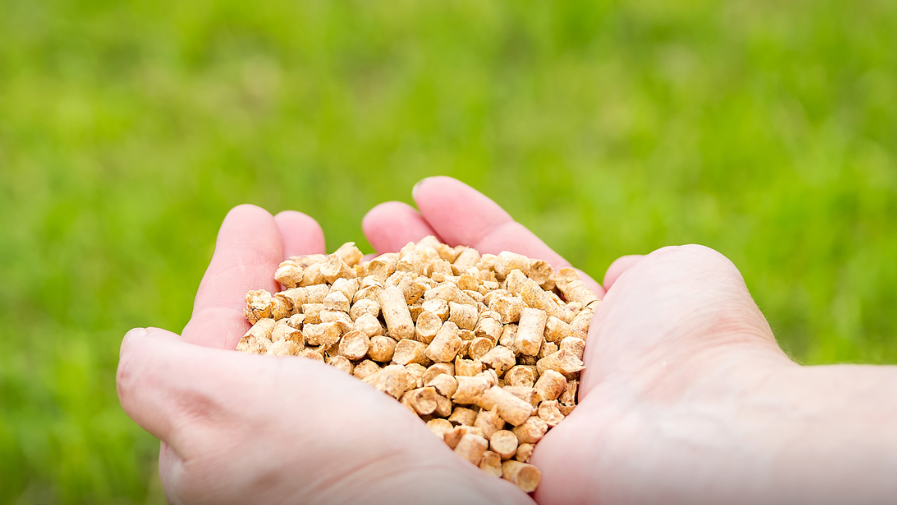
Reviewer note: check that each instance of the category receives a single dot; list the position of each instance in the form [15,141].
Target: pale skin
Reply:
[686,398]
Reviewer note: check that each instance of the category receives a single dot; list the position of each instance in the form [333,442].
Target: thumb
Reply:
[672,308]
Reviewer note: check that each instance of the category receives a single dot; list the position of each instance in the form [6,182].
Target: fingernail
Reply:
[136,332]
[418,185]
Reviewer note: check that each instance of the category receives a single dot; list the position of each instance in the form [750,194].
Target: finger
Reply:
[463,215]
[391,225]
[669,307]
[300,233]
[616,269]
[142,375]
[247,253]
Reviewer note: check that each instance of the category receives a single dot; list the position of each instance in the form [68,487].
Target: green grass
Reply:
[764,129]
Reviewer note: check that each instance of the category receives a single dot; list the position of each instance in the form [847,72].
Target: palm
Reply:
[664,331]
[238,429]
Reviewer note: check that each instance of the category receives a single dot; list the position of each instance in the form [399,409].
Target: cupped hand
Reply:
[676,348]
[239,428]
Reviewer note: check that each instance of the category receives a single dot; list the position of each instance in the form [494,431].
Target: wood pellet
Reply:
[486,349]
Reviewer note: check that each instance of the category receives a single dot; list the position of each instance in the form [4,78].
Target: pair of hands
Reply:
[680,401]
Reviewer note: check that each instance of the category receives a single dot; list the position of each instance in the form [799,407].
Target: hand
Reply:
[238,428]
[686,397]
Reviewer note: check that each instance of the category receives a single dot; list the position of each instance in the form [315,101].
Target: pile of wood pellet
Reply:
[486,349]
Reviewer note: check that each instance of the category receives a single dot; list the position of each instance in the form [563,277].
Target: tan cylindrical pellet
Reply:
[464,316]
[526,394]
[508,307]
[557,330]
[541,272]
[467,258]
[317,293]
[439,368]
[341,363]
[548,348]
[508,335]
[383,266]
[283,348]
[524,453]
[283,331]
[312,276]
[392,380]
[439,427]
[507,261]
[371,293]
[263,329]
[525,476]
[349,254]
[428,325]
[333,269]
[488,327]
[312,354]
[312,313]
[369,325]
[341,318]
[512,409]
[463,415]
[258,305]
[500,359]
[445,344]
[490,376]
[423,400]
[532,294]
[569,394]
[574,289]
[470,390]
[467,367]
[575,346]
[471,447]
[438,307]
[382,349]
[453,437]
[531,431]
[521,375]
[550,385]
[289,273]
[491,464]
[365,369]
[443,406]
[479,347]
[504,443]
[410,351]
[415,375]
[445,384]
[562,362]
[488,421]
[449,292]
[296,296]
[354,345]
[396,313]
[324,334]
[280,308]
[530,332]
[549,412]
[362,307]
[348,287]
[582,321]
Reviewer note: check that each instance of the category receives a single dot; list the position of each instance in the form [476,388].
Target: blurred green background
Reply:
[765,129]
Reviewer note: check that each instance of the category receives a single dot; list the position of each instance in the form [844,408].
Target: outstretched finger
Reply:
[300,233]
[391,225]
[620,265]
[463,215]
[247,253]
